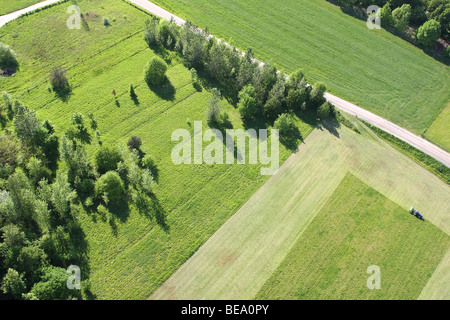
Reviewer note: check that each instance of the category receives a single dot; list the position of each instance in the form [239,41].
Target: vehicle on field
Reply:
[416,213]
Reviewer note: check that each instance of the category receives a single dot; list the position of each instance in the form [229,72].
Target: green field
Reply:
[438,132]
[8,6]
[359,227]
[243,254]
[132,259]
[371,68]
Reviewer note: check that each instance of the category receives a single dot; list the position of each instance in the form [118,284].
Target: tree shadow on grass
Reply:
[120,209]
[227,90]
[149,206]
[63,93]
[292,138]
[80,257]
[331,125]
[165,90]
[135,99]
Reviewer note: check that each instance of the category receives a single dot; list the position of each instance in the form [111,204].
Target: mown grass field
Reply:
[133,258]
[8,6]
[371,68]
[359,227]
[243,254]
[439,131]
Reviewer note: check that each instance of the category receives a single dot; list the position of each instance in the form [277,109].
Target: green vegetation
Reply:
[371,68]
[439,169]
[428,33]
[438,131]
[8,6]
[250,246]
[330,259]
[8,58]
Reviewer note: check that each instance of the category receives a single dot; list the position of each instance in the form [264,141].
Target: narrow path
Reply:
[403,134]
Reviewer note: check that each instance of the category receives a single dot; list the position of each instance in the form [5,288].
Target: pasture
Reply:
[244,253]
[371,68]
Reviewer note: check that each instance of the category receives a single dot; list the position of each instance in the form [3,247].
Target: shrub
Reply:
[248,104]
[155,72]
[106,22]
[386,15]
[401,17]
[106,159]
[446,52]
[58,79]
[134,143]
[324,110]
[8,58]
[110,184]
[148,163]
[213,108]
[285,123]
[428,33]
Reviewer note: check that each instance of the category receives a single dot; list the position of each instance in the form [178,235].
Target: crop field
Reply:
[353,231]
[371,68]
[8,6]
[132,258]
[251,245]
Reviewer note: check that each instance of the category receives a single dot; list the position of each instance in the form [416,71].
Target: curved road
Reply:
[409,137]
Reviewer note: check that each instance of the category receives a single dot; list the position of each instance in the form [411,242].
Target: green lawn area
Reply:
[8,6]
[359,227]
[439,131]
[132,259]
[371,68]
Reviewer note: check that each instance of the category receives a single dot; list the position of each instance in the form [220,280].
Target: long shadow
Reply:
[164,90]
[63,93]
[331,125]
[165,54]
[79,253]
[84,23]
[227,90]
[84,136]
[149,206]
[135,99]
[291,139]
[120,209]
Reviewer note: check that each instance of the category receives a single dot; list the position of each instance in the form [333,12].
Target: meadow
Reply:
[353,231]
[133,257]
[8,6]
[242,255]
[371,68]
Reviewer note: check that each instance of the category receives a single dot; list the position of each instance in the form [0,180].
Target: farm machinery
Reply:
[416,213]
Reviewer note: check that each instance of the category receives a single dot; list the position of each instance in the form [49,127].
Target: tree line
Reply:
[259,90]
